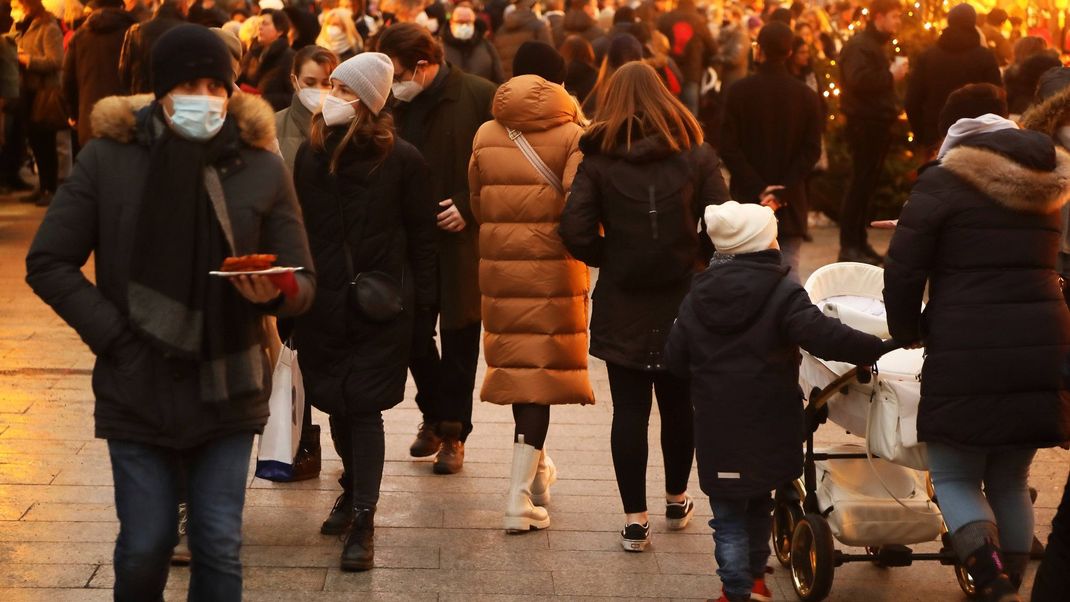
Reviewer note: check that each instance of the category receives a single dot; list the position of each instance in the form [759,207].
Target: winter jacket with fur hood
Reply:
[534,292]
[1047,117]
[141,394]
[982,229]
[737,338]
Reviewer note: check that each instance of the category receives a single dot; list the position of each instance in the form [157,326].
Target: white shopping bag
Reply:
[278,444]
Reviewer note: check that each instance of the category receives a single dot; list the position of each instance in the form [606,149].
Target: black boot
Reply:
[340,515]
[358,554]
[984,562]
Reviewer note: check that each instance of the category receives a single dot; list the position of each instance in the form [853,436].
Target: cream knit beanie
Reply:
[736,229]
[370,75]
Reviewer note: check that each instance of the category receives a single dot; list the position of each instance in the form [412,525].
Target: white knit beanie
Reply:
[370,75]
[736,229]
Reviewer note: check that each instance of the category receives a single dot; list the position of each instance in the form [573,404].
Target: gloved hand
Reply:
[285,282]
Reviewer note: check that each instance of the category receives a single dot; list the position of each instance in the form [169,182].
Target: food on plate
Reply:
[248,263]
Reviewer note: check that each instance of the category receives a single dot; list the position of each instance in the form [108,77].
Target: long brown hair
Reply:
[378,130]
[636,98]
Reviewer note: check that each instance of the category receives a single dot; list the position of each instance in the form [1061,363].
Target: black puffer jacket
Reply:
[956,60]
[868,85]
[351,364]
[610,193]
[737,338]
[982,228]
[141,394]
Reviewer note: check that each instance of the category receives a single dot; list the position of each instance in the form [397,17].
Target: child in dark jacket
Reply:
[737,337]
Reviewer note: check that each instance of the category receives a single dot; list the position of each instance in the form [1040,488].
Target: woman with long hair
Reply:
[371,226]
[580,72]
[634,211]
[534,292]
[339,34]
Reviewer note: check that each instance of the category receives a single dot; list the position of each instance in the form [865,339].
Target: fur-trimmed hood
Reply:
[1021,170]
[1047,116]
[115,118]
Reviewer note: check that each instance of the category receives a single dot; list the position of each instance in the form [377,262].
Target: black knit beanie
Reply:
[539,58]
[189,52]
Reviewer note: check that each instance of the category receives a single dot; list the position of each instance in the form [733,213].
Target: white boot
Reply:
[521,515]
[544,477]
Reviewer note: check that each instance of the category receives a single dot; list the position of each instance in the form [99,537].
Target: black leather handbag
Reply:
[376,295]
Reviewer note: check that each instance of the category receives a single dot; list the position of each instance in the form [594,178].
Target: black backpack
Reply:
[651,229]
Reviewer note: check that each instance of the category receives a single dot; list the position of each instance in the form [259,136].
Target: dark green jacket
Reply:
[441,122]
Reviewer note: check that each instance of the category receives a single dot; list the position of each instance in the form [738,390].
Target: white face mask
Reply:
[430,23]
[197,117]
[463,31]
[1062,135]
[407,90]
[312,98]
[337,111]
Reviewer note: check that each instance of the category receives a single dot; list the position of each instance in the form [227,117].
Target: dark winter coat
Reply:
[737,338]
[771,135]
[91,67]
[956,60]
[135,62]
[350,364]
[441,123]
[141,394]
[476,56]
[268,70]
[691,44]
[982,229]
[629,326]
[867,83]
[1021,80]
[519,26]
[578,23]
[580,79]
[43,41]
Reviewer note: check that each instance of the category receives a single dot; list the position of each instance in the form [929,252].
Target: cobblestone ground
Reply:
[438,538]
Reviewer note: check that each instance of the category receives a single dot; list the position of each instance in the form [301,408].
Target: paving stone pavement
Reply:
[438,538]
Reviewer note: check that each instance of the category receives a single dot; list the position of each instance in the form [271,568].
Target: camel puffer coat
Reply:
[534,292]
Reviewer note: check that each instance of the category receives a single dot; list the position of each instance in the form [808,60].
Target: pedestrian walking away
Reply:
[175,184]
[634,212]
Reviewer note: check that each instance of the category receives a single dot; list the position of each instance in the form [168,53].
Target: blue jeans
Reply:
[147,480]
[741,531]
[958,475]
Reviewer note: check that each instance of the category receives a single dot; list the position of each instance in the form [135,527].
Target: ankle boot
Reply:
[341,515]
[307,462]
[521,515]
[545,476]
[358,554]
[984,561]
[450,458]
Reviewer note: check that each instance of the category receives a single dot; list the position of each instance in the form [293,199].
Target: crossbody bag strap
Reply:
[536,161]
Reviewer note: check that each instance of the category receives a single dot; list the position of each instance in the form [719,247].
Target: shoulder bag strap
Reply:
[536,161]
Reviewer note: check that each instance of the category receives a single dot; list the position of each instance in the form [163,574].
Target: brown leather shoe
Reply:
[450,457]
[307,462]
[427,442]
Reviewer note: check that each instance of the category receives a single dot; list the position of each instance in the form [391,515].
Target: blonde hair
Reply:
[340,17]
[250,29]
[636,101]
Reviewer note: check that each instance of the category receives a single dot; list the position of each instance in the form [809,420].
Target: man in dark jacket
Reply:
[170,190]
[868,101]
[737,339]
[468,48]
[439,112]
[91,66]
[771,139]
[691,45]
[957,59]
[135,59]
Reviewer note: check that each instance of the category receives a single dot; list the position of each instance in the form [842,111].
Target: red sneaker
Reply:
[760,592]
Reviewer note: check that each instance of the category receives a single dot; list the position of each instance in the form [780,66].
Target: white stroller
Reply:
[874,495]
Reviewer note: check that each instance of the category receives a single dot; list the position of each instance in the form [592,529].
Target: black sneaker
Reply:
[635,537]
[678,514]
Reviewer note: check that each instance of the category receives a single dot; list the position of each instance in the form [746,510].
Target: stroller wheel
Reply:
[966,582]
[786,514]
[812,558]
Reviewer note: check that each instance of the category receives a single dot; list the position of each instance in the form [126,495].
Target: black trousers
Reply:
[1053,577]
[632,398]
[868,142]
[360,442]
[444,383]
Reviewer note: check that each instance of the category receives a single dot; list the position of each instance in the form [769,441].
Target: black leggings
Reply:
[361,443]
[631,391]
[532,421]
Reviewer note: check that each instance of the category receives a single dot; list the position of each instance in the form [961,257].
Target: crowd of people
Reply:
[445,174]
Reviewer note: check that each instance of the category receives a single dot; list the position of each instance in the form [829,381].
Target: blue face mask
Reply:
[196,117]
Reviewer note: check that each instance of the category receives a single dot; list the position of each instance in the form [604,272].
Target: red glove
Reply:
[285,282]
